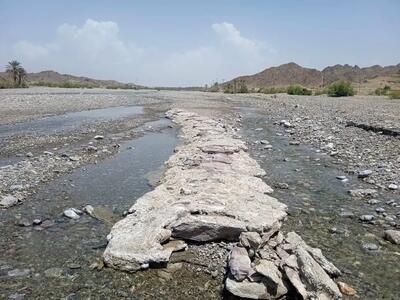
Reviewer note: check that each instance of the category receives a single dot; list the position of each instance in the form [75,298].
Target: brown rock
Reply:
[346,289]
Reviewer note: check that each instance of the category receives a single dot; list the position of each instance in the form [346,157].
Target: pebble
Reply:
[99,137]
[347,214]
[72,213]
[18,272]
[380,210]
[37,222]
[364,173]
[367,218]
[370,246]
[53,272]
[23,222]
[346,289]
[393,187]
[373,201]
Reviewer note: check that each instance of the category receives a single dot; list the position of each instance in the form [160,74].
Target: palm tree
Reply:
[12,69]
[21,74]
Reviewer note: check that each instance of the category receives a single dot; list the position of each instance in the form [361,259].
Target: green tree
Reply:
[21,74]
[12,69]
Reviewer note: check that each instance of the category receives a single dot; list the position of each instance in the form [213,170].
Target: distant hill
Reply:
[52,78]
[291,73]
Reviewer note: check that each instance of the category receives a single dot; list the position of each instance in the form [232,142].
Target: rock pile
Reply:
[211,191]
[270,268]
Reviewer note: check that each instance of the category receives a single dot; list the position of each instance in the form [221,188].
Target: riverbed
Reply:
[61,258]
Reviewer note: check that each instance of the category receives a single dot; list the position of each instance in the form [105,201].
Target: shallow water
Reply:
[69,121]
[71,246]
[315,199]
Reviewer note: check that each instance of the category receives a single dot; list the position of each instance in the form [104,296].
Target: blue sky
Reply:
[194,43]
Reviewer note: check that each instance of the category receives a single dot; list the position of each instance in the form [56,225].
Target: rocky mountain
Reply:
[292,73]
[52,78]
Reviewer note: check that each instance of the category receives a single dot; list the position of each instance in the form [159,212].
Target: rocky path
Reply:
[211,191]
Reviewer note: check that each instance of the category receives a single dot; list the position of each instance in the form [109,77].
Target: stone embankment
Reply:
[212,191]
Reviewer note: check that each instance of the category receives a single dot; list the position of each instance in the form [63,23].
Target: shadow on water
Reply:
[316,202]
[69,121]
[58,258]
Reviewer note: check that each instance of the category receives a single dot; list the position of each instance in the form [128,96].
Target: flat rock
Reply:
[364,173]
[226,197]
[295,240]
[247,289]
[274,282]
[317,282]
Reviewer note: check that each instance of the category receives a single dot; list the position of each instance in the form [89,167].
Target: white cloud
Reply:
[96,49]
[30,51]
[229,34]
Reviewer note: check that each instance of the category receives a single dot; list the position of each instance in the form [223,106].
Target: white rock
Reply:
[274,278]
[239,263]
[8,201]
[71,213]
[247,289]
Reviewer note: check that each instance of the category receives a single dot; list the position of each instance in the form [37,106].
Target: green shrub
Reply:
[298,90]
[273,90]
[341,89]
[320,92]
[382,91]
[395,94]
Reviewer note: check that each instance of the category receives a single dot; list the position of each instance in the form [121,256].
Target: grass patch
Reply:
[383,91]
[298,90]
[394,94]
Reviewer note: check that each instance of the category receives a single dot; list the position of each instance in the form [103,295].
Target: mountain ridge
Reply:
[292,73]
[53,78]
